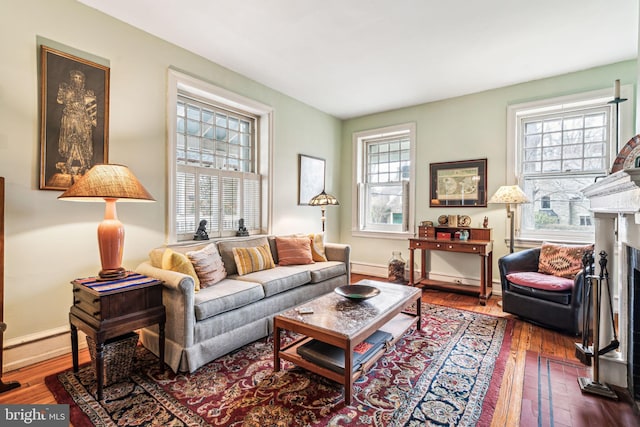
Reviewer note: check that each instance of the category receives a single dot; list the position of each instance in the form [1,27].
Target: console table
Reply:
[442,239]
[107,309]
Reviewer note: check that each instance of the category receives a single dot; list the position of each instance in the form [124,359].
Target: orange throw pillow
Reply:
[294,250]
[562,260]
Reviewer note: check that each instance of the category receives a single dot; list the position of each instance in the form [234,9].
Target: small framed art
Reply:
[310,178]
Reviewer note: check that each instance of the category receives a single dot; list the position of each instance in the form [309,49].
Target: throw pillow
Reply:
[208,265]
[253,259]
[562,260]
[294,250]
[175,261]
[317,247]
[155,257]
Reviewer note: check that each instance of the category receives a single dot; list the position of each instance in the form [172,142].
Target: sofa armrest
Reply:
[178,298]
[339,252]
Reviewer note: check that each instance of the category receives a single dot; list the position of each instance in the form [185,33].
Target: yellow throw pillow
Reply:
[253,259]
[175,261]
[317,247]
[294,250]
[208,265]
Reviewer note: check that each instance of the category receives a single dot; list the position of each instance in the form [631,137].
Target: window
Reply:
[384,165]
[215,144]
[560,146]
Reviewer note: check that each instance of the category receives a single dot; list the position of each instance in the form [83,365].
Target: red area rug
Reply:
[447,374]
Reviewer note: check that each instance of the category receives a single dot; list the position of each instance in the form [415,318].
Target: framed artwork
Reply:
[74,111]
[310,178]
[461,183]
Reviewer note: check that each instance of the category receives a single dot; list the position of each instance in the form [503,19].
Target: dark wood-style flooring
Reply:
[526,336]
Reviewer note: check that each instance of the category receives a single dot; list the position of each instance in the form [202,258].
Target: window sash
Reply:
[220,197]
[569,144]
[383,161]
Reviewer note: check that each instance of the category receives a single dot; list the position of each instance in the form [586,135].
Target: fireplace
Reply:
[615,203]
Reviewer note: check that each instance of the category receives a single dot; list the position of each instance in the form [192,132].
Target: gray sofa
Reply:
[202,326]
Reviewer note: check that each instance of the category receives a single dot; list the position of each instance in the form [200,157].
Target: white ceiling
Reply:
[355,57]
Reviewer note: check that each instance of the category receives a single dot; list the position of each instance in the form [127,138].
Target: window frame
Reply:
[516,112]
[359,140]
[200,89]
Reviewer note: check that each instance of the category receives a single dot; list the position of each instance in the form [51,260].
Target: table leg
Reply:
[276,347]
[419,312]
[100,367]
[161,340]
[411,282]
[483,280]
[74,347]
[348,373]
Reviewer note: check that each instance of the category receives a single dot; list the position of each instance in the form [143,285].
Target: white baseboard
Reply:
[382,271]
[29,349]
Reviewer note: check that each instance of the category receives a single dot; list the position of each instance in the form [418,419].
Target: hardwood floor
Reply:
[525,337]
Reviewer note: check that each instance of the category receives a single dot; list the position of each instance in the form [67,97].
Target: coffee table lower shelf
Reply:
[396,327]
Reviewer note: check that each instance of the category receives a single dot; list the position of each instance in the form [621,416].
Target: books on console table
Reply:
[331,357]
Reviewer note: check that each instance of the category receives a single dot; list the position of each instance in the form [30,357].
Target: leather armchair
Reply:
[556,309]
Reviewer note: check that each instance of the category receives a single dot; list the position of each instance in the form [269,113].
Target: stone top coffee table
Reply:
[346,323]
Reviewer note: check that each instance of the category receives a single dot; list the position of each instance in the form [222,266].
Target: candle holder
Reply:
[617,100]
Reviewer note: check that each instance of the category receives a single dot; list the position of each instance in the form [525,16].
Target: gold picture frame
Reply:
[74,117]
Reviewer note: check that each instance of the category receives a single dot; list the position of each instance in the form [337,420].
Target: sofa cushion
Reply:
[249,260]
[546,282]
[562,260]
[225,247]
[227,295]
[321,271]
[176,261]
[542,286]
[278,279]
[294,250]
[208,265]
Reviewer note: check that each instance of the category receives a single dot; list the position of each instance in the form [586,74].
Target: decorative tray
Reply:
[357,292]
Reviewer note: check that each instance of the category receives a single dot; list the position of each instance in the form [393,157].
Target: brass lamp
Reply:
[510,195]
[111,183]
[323,199]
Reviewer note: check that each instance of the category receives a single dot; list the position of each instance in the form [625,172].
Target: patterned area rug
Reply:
[447,374]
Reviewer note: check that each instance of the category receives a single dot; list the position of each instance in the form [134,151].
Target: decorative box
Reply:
[443,236]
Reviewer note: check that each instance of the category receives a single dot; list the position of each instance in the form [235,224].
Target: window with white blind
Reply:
[560,146]
[383,181]
[215,159]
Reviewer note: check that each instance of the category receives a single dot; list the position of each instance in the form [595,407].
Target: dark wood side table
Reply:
[107,309]
[435,239]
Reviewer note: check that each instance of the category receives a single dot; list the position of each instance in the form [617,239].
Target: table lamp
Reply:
[323,199]
[510,195]
[111,183]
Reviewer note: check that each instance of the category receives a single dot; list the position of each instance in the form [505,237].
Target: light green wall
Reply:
[464,128]
[49,242]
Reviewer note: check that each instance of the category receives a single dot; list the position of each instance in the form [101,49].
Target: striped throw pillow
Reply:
[249,260]
[208,265]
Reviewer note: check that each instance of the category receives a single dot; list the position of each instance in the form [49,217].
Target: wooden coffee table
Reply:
[345,323]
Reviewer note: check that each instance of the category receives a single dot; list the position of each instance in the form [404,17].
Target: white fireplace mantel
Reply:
[615,202]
